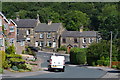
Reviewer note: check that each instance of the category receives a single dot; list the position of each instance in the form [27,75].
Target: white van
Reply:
[56,63]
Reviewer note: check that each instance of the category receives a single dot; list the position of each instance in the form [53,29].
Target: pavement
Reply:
[110,72]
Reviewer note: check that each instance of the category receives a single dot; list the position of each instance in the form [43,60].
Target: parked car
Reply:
[56,63]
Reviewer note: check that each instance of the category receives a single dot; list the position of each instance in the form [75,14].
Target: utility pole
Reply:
[111,50]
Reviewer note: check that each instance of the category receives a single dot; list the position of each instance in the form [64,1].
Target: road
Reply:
[71,71]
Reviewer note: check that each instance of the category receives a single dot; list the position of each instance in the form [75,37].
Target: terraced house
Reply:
[81,39]
[8,31]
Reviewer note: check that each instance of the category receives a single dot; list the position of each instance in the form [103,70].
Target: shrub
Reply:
[28,66]
[10,50]
[62,48]
[14,56]
[114,66]
[100,62]
[93,64]
[78,56]
[6,64]
[21,70]
[21,66]
[2,58]
[15,68]
[118,66]
[1,70]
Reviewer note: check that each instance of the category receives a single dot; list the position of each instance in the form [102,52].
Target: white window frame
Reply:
[41,44]
[27,32]
[48,35]
[22,43]
[84,40]
[0,22]
[5,26]
[27,39]
[12,28]
[83,46]
[90,40]
[41,35]
[48,43]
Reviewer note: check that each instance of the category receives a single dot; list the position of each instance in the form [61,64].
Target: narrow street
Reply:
[71,71]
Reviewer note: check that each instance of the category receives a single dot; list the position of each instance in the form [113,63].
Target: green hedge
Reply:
[62,48]
[78,56]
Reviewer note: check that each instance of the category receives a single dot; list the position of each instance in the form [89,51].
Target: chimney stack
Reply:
[49,22]
[17,16]
[81,29]
[38,20]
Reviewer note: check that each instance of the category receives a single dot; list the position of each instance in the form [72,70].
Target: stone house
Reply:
[81,39]
[48,34]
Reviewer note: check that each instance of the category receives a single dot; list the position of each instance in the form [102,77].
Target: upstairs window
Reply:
[12,40]
[22,43]
[90,40]
[11,28]
[28,39]
[28,32]
[0,22]
[64,40]
[84,40]
[41,35]
[5,26]
[75,40]
[49,35]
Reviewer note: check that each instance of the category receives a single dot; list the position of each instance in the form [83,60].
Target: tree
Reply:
[75,19]
[109,21]
[102,49]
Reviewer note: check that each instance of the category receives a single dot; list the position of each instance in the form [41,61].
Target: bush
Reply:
[10,50]
[118,66]
[14,56]
[78,56]
[21,70]
[28,66]
[1,70]
[2,58]
[15,68]
[6,65]
[114,66]
[100,62]
[62,48]
[21,66]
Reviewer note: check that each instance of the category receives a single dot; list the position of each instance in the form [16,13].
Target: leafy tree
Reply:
[109,21]
[98,50]
[75,19]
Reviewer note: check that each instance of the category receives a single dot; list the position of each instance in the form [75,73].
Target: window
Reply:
[28,39]
[41,35]
[1,32]
[84,40]
[22,43]
[49,35]
[49,43]
[41,44]
[64,40]
[1,42]
[0,22]
[5,26]
[75,40]
[28,32]
[75,45]
[84,46]
[90,40]
[12,40]
[11,28]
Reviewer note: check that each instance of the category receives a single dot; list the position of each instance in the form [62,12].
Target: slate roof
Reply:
[26,23]
[79,34]
[43,27]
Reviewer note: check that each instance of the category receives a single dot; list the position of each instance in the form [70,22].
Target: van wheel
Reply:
[62,70]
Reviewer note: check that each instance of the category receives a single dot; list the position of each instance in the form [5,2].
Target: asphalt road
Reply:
[71,71]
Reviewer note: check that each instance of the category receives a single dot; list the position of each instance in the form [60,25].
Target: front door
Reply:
[36,44]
